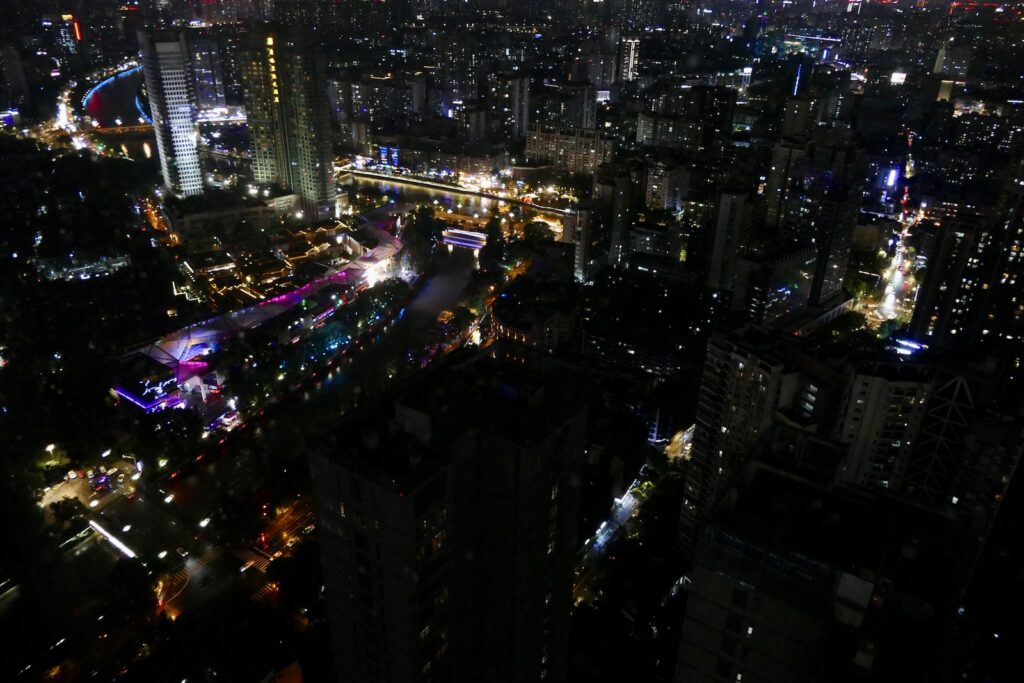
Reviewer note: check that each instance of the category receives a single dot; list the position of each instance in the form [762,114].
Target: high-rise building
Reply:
[457,69]
[745,379]
[289,118]
[667,186]
[206,66]
[13,86]
[629,58]
[794,580]
[577,150]
[170,86]
[771,286]
[974,282]
[730,238]
[590,239]
[508,104]
[952,60]
[881,417]
[950,280]
[614,185]
[448,522]
[580,109]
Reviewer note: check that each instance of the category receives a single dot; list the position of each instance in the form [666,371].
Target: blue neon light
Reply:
[105,82]
[142,112]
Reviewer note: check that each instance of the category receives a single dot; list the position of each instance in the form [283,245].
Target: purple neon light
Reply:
[464,243]
[158,404]
[174,350]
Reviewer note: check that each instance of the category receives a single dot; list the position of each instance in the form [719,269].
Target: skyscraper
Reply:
[448,524]
[209,77]
[629,58]
[508,103]
[13,87]
[974,284]
[171,91]
[289,119]
[745,379]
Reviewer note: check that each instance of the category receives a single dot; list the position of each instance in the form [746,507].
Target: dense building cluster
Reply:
[642,340]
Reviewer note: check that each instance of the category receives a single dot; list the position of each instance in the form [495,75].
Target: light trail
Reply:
[116,542]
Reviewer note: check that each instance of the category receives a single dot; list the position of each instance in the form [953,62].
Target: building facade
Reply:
[448,527]
[170,86]
[289,119]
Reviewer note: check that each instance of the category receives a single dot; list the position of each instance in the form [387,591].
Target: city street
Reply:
[589,561]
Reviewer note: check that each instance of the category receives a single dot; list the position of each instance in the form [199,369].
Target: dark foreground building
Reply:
[448,520]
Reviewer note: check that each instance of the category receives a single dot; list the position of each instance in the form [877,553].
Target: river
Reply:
[113,103]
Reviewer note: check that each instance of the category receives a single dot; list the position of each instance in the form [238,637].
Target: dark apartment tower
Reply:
[819,207]
[289,118]
[794,580]
[13,86]
[745,379]
[206,67]
[942,299]
[448,522]
[730,239]
[974,283]
[508,104]
[590,239]
[614,185]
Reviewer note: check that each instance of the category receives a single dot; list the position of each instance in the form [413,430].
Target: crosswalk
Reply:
[266,593]
[253,560]
[104,500]
[195,564]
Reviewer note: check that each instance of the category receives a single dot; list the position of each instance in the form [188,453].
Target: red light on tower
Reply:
[78,30]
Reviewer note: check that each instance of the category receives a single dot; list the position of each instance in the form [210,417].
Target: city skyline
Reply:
[423,342]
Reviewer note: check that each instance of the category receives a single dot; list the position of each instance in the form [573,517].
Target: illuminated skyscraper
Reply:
[289,119]
[629,58]
[170,87]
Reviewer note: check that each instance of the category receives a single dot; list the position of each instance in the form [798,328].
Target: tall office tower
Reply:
[289,118]
[629,58]
[745,379]
[209,78]
[170,86]
[730,239]
[448,521]
[508,104]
